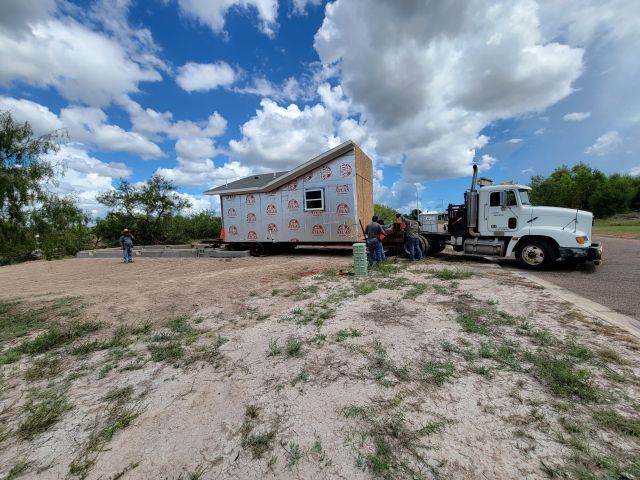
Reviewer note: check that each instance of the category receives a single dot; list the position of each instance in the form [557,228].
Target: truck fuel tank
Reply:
[494,247]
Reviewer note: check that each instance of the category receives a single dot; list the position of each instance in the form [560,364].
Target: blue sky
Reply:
[205,91]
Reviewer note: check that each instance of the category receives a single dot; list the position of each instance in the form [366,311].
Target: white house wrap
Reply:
[321,201]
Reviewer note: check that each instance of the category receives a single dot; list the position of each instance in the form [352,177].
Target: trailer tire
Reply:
[534,254]
[256,249]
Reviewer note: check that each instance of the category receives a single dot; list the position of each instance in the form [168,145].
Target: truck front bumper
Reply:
[593,253]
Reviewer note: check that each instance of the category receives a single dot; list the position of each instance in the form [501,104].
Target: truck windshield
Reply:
[524,197]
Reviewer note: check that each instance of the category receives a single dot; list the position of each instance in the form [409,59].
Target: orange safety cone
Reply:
[222,233]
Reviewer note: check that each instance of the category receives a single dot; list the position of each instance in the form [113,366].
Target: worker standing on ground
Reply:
[413,239]
[373,232]
[126,242]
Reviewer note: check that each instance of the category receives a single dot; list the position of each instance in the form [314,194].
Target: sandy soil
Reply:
[325,407]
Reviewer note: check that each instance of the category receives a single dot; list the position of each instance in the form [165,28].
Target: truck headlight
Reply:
[582,240]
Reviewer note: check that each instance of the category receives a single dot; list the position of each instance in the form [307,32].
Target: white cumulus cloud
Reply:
[212,13]
[205,76]
[576,116]
[426,90]
[606,144]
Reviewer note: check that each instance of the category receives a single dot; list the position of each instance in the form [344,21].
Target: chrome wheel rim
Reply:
[533,255]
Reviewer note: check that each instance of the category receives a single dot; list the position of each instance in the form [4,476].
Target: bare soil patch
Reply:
[277,367]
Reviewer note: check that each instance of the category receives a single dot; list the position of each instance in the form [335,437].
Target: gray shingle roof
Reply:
[254,181]
[267,181]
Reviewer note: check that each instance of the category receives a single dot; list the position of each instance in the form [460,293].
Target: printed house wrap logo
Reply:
[317,230]
[344,230]
[251,218]
[343,209]
[345,170]
[271,209]
[316,213]
[294,240]
[250,200]
[325,172]
[293,186]
[231,213]
[342,189]
[230,198]
[308,177]
[294,224]
[252,235]
[272,228]
[233,230]
[293,204]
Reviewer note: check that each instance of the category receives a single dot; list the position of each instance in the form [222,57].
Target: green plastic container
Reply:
[360,263]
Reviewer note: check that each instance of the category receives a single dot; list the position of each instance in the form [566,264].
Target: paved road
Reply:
[614,284]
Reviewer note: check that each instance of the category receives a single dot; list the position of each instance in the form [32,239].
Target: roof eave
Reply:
[296,172]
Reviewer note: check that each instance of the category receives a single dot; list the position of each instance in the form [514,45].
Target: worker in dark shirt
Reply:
[374,244]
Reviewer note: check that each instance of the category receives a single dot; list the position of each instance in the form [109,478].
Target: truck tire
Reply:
[256,249]
[534,254]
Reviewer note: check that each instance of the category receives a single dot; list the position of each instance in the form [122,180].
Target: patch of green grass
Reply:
[440,290]
[436,372]
[120,414]
[578,351]
[302,376]
[41,411]
[342,335]
[307,292]
[315,313]
[293,347]
[447,274]
[505,353]
[468,354]
[294,454]
[47,366]
[57,336]
[260,442]
[539,336]
[18,469]
[387,444]
[472,320]
[415,291]
[385,282]
[274,348]
[492,302]
[180,325]
[485,371]
[615,422]
[166,351]
[562,377]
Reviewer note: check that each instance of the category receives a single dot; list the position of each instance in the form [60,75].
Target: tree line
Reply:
[587,188]
[35,222]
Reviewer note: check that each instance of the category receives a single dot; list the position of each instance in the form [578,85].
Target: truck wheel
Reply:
[256,249]
[534,254]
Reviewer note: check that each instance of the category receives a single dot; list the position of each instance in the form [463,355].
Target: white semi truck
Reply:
[498,220]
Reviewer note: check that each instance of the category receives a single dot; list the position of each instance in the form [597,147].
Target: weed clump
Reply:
[436,372]
[42,410]
[447,274]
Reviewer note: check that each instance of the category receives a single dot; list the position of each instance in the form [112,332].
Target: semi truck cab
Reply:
[499,220]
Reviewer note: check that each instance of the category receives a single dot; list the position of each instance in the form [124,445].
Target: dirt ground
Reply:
[278,367]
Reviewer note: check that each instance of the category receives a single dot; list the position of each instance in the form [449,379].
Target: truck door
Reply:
[502,213]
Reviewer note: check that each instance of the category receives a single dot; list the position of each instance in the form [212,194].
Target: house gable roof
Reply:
[270,181]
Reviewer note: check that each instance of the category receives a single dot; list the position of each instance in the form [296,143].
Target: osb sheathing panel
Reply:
[364,189]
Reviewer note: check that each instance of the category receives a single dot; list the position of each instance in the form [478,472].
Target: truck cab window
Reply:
[314,199]
[494,199]
[524,197]
[511,198]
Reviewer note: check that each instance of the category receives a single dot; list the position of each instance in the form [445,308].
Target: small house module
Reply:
[325,200]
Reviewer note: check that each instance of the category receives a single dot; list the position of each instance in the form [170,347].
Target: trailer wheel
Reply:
[534,254]
[256,249]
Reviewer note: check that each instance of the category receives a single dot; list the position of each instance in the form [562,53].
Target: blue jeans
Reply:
[127,254]
[375,252]
[380,251]
[415,253]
